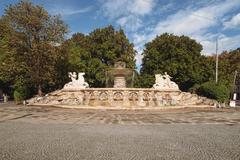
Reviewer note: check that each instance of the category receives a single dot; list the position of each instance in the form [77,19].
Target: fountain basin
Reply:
[120,98]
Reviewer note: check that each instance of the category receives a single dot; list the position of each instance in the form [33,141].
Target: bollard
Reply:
[235,96]
[5,98]
[24,103]
[232,103]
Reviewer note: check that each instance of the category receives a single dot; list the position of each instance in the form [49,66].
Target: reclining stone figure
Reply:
[164,82]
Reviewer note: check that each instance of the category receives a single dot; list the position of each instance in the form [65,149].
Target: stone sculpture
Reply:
[76,83]
[164,82]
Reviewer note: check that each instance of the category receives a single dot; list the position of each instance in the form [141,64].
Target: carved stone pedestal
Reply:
[119,82]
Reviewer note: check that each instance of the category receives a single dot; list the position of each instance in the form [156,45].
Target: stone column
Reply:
[80,97]
[110,98]
[140,99]
[159,99]
[151,99]
[95,95]
[126,99]
[119,82]
[87,96]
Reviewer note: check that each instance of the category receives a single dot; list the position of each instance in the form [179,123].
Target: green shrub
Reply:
[194,88]
[214,91]
[144,81]
[20,91]
[17,97]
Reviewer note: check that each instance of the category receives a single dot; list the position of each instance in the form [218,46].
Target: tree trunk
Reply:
[40,90]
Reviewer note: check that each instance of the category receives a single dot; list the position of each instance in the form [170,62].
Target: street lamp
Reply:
[216,60]
[216,67]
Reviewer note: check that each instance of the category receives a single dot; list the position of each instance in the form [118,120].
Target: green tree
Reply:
[96,52]
[6,76]
[32,43]
[179,56]
[229,62]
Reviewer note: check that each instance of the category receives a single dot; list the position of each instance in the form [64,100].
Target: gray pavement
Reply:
[56,133]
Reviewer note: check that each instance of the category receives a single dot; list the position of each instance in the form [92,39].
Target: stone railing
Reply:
[123,97]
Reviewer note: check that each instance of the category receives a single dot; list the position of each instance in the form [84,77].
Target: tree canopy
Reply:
[229,62]
[96,52]
[29,39]
[180,56]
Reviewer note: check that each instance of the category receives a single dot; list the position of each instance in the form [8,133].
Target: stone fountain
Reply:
[78,94]
[120,74]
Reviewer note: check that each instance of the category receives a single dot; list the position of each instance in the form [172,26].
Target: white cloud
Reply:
[116,8]
[196,24]
[191,21]
[233,23]
[68,11]
[141,7]
[138,56]
[209,47]
[131,22]
[225,43]
[123,21]
[229,43]
[138,39]
[127,13]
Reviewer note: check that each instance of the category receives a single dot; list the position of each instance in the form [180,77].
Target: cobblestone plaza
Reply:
[58,133]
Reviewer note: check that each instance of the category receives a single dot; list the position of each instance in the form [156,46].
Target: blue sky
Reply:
[142,20]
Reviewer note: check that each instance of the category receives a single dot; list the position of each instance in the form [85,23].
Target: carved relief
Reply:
[118,96]
[103,96]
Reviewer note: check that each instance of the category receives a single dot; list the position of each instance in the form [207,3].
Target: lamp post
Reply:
[216,60]
[216,67]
